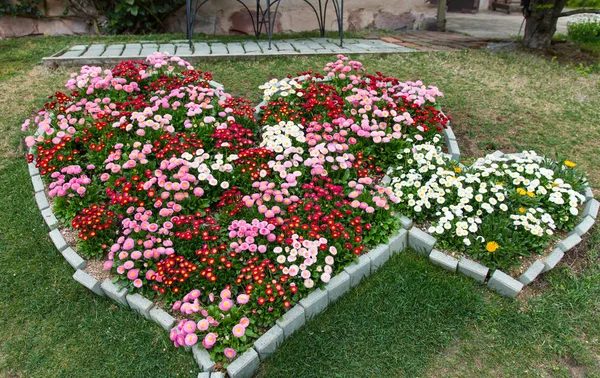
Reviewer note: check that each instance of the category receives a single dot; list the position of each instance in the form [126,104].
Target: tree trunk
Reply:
[540,22]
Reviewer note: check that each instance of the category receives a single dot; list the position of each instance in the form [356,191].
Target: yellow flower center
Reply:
[492,246]
[457,169]
[522,209]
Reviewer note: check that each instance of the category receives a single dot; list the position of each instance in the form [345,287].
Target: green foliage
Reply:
[20,8]
[583,4]
[587,31]
[139,16]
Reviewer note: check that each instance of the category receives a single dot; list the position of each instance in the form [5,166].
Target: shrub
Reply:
[586,31]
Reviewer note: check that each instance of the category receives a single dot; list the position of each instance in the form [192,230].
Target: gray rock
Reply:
[591,208]
[50,219]
[505,284]
[379,256]
[88,281]
[202,358]
[140,304]
[58,240]
[245,365]
[472,269]
[314,303]
[445,261]
[358,270]
[338,286]
[553,258]
[113,292]
[292,320]
[162,318]
[420,241]
[569,243]
[532,272]
[42,201]
[73,258]
[268,343]
[406,222]
[398,242]
[584,226]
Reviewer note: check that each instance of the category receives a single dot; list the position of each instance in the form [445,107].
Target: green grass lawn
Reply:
[409,319]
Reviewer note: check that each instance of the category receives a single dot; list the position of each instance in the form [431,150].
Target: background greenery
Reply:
[410,319]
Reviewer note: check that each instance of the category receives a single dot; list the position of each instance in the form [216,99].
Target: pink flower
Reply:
[225,304]
[203,325]
[239,330]
[189,326]
[138,283]
[133,274]
[191,339]
[245,322]
[230,353]
[209,340]
[243,299]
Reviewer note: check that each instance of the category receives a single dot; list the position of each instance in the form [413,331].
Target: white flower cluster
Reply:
[285,88]
[531,223]
[281,136]
[306,253]
[206,166]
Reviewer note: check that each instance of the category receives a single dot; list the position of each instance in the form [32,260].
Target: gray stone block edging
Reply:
[420,241]
[358,270]
[445,261]
[202,358]
[245,365]
[115,293]
[532,272]
[88,281]
[76,261]
[140,304]
[292,320]
[314,303]
[473,269]
[504,284]
[268,343]
[162,318]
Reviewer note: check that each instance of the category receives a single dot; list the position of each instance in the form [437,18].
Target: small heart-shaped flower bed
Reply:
[231,214]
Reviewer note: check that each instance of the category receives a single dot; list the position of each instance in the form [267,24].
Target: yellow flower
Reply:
[521,191]
[531,194]
[457,169]
[570,164]
[492,246]
[522,209]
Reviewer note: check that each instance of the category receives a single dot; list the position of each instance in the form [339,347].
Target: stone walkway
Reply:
[98,54]
[436,41]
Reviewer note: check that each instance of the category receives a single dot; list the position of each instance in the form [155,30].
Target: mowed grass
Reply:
[409,319]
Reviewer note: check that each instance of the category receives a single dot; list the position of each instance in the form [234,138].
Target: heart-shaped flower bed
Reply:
[230,214]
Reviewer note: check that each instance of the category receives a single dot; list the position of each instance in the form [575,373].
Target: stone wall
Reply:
[229,17]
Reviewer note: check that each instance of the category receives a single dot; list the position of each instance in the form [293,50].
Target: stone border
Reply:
[423,243]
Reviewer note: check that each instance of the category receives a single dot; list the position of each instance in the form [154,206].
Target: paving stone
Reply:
[532,272]
[406,222]
[38,184]
[589,194]
[292,320]
[88,281]
[358,270]
[113,51]
[338,286]
[59,241]
[78,48]
[504,284]
[33,170]
[140,304]
[72,53]
[218,49]
[553,259]
[398,242]
[183,50]
[245,365]
[162,318]
[148,49]
[283,46]
[584,226]
[115,293]
[132,49]
[167,48]
[201,48]
[420,241]
[73,258]
[235,48]
[472,269]
[268,343]
[445,261]
[94,51]
[202,358]
[314,303]
[591,208]
[454,150]
[42,201]
[569,243]
[252,47]
[379,256]
[302,48]
[50,219]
